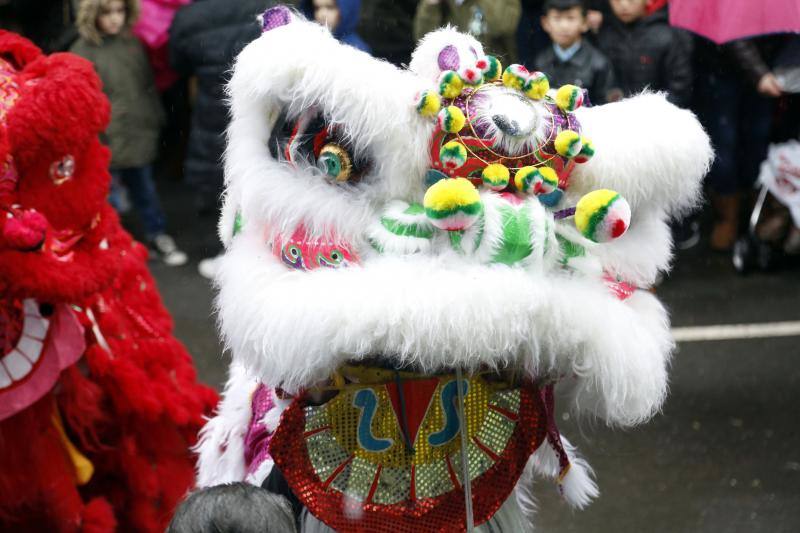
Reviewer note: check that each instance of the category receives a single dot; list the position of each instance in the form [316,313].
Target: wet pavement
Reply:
[723,456]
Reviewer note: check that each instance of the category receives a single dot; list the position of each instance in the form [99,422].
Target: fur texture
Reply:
[221,443]
[131,405]
[419,302]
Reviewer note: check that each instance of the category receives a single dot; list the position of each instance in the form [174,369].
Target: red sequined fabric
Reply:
[373,478]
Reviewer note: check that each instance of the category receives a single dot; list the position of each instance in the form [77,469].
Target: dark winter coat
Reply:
[588,69]
[388,27]
[745,59]
[345,31]
[648,53]
[136,113]
[205,37]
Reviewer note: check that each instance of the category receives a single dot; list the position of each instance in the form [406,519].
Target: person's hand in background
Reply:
[769,85]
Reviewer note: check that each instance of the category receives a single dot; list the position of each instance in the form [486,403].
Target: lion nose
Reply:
[507,125]
[513,114]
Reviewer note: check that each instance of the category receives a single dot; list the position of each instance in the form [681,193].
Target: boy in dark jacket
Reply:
[571,59]
[646,52]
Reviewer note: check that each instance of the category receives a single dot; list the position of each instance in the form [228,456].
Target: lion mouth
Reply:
[22,333]
[38,341]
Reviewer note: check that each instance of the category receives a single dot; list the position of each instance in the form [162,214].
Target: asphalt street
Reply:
[723,456]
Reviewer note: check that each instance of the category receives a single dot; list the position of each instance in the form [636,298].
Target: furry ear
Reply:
[275,17]
[61,109]
[655,155]
[447,49]
[650,151]
[18,50]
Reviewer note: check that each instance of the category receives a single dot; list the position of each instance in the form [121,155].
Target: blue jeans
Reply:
[144,197]
[739,120]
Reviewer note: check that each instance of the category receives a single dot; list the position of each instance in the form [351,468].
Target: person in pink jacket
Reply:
[152,29]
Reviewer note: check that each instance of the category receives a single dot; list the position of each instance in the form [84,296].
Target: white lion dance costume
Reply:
[416,259]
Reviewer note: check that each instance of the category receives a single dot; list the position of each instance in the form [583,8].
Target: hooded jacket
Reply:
[345,31]
[121,63]
[648,53]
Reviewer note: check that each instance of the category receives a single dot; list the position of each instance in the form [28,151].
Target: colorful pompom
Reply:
[450,84]
[547,191]
[526,178]
[602,215]
[429,104]
[548,183]
[453,155]
[451,119]
[495,176]
[569,98]
[493,68]
[471,75]
[587,151]
[515,76]
[536,180]
[452,204]
[536,86]
[568,144]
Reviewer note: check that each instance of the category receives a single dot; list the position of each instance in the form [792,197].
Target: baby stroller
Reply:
[780,179]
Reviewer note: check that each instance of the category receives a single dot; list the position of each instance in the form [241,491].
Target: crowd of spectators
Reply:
[612,48]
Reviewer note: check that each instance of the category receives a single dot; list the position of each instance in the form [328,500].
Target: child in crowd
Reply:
[646,52]
[340,16]
[136,113]
[492,22]
[571,59]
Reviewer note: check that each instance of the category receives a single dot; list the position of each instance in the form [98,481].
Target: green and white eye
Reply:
[335,162]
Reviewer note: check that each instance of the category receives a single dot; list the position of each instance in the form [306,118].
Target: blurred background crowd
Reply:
[164,65]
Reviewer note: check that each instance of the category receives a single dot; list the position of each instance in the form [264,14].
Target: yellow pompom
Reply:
[450,84]
[493,68]
[549,180]
[495,176]
[525,178]
[453,155]
[568,144]
[569,98]
[452,119]
[536,180]
[536,86]
[602,215]
[452,204]
[515,76]
[587,151]
[429,104]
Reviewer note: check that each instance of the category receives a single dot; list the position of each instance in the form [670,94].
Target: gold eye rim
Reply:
[335,161]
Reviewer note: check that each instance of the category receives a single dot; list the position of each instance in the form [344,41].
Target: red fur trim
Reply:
[132,406]
[19,49]
[80,402]
[37,485]
[98,517]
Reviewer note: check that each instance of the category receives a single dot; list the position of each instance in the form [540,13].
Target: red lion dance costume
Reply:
[99,404]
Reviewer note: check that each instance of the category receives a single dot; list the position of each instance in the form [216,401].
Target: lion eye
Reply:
[335,162]
[62,170]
